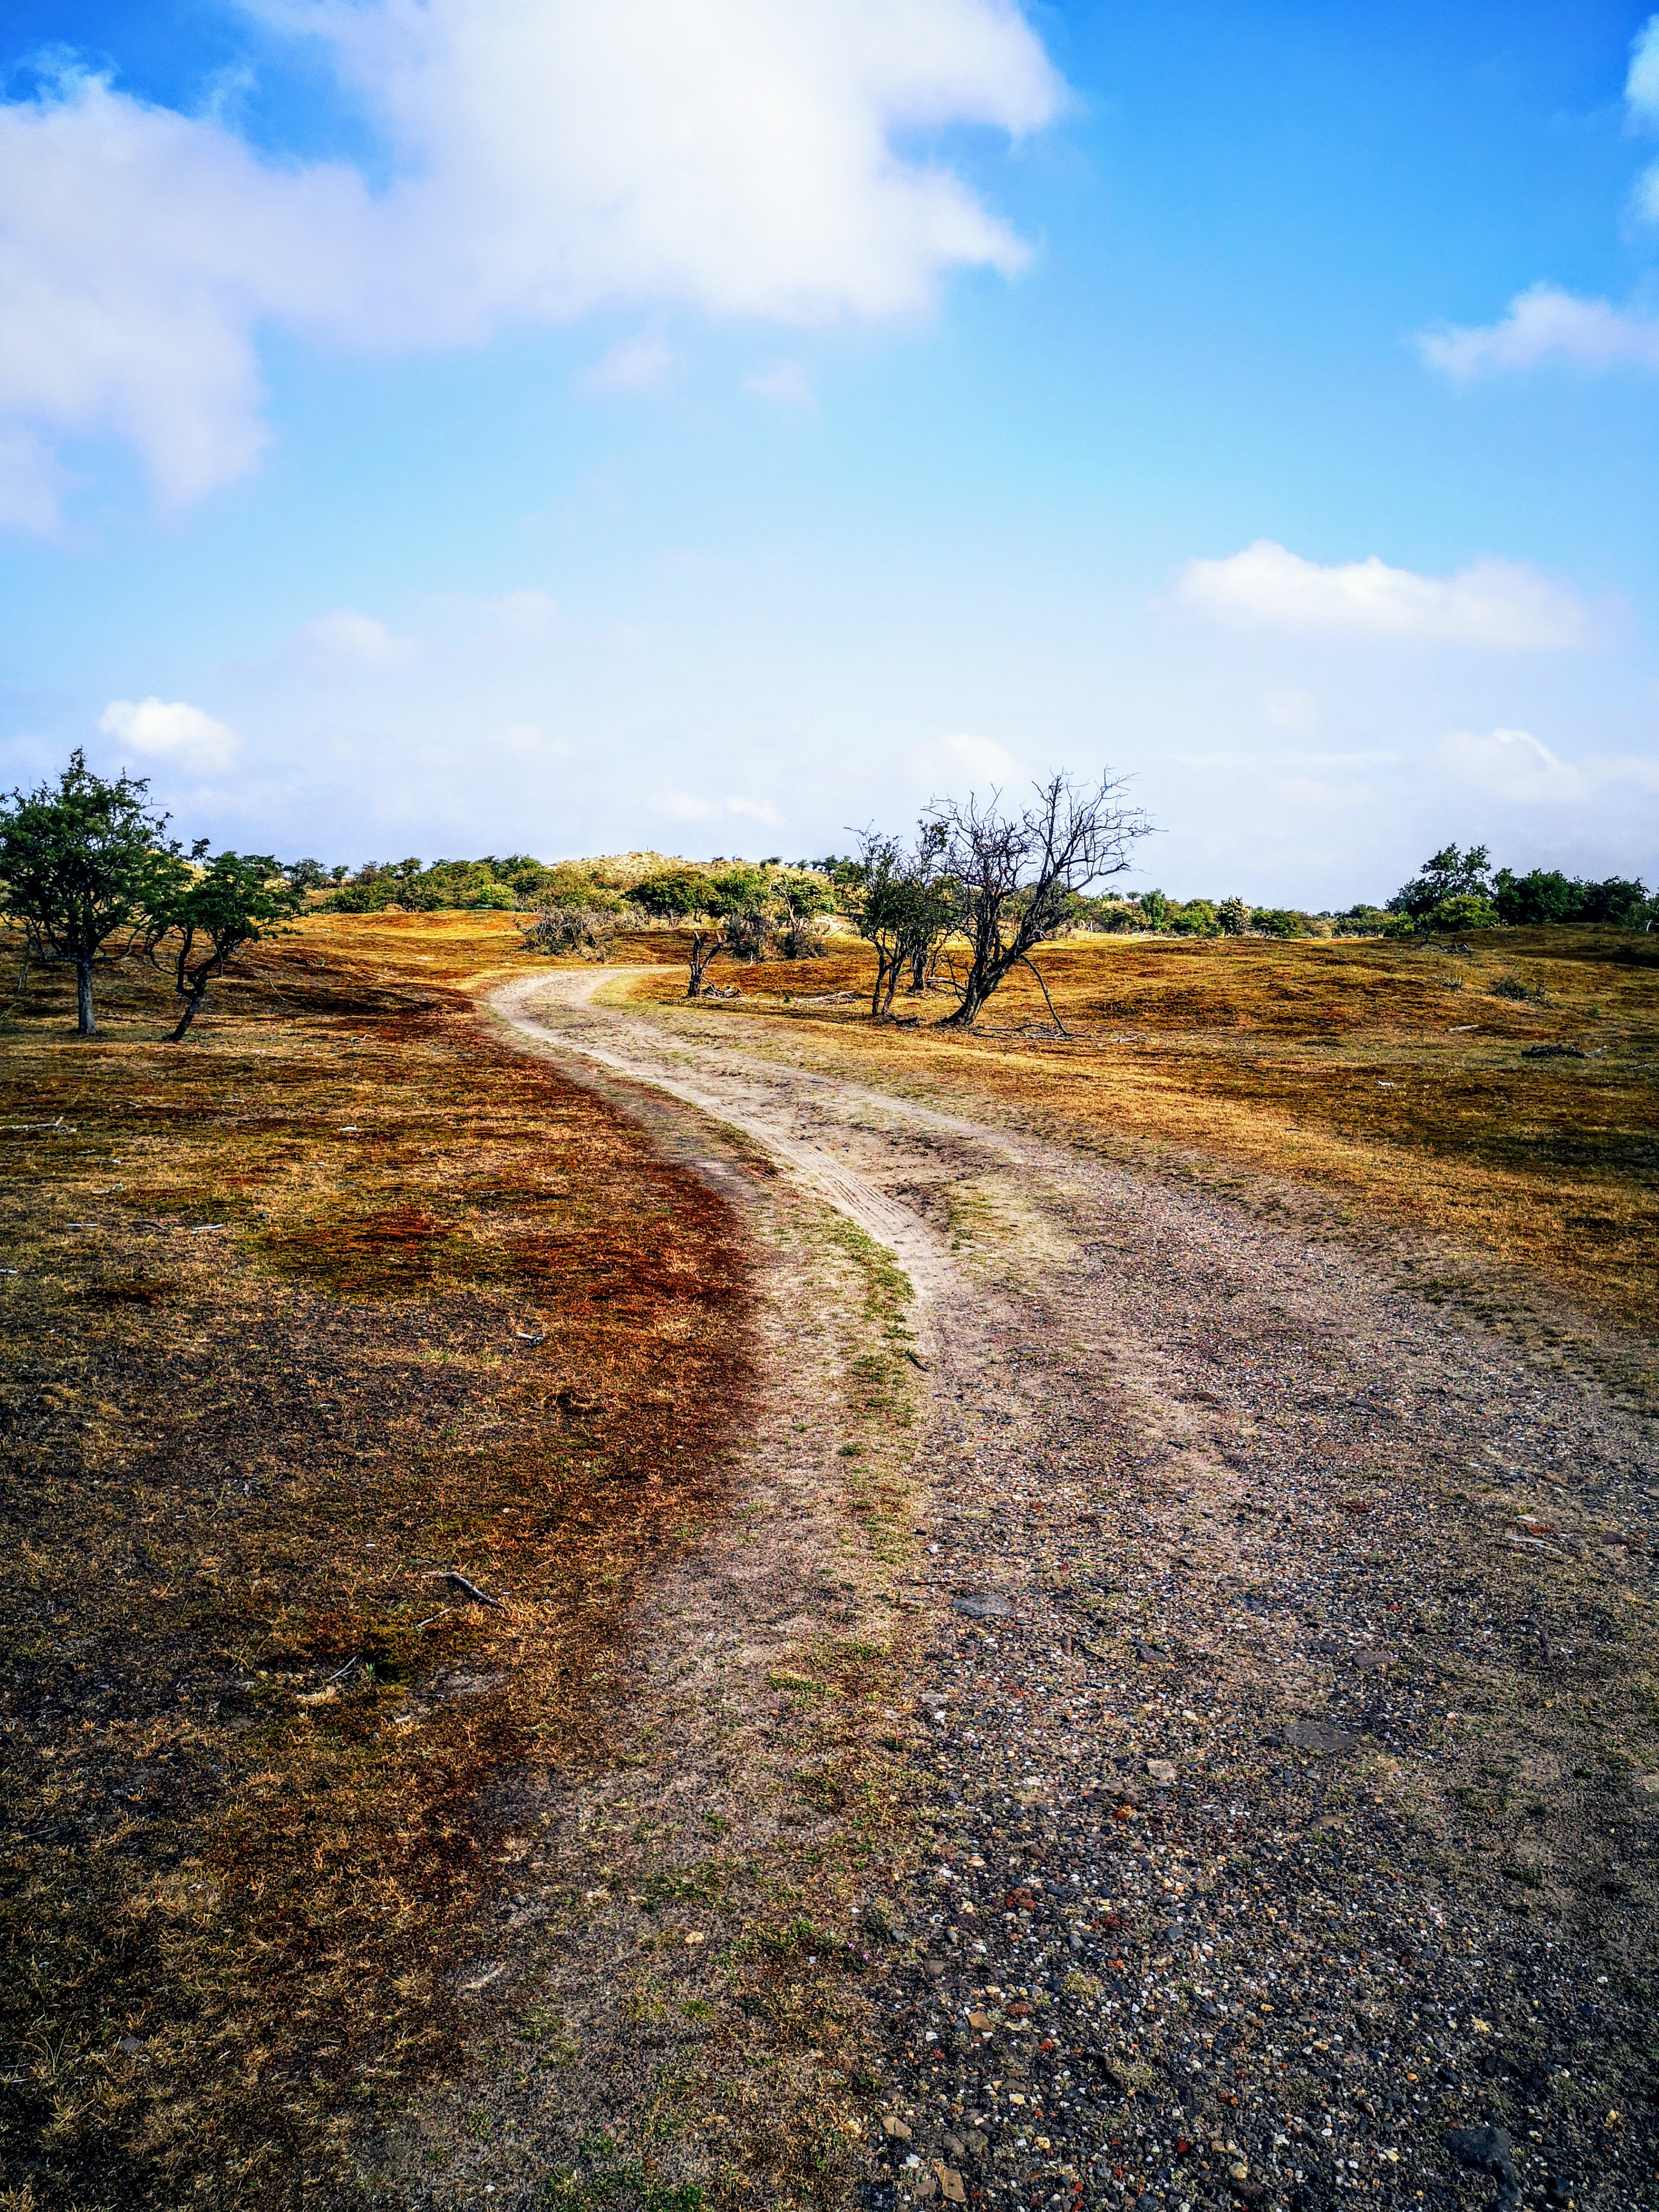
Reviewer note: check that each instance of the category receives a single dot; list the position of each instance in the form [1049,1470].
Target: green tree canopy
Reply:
[1449,874]
[203,916]
[81,863]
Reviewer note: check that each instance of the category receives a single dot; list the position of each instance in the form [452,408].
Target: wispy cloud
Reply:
[784,384]
[34,484]
[1513,764]
[1641,98]
[962,762]
[686,806]
[642,363]
[523,614]
[1496,604]
[1295,711]
[1547,323]
[347,635]
[171,730]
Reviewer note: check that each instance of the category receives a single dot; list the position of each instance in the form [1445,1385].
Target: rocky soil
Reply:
[1286,1688]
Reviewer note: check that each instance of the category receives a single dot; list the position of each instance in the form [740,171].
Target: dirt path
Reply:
[1287,1690]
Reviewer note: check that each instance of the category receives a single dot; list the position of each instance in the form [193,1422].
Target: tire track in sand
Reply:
[1291,1835]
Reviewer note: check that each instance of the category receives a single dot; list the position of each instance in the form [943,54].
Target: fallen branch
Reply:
[1046,1000]
[458,1580]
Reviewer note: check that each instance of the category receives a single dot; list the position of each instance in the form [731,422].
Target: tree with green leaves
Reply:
[80,863]
[726,912]
[803,899]
[1448,875]
[901,906]
[203,912]
[1234,917]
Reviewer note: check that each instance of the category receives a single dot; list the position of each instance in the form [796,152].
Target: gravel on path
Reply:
[1287,1694]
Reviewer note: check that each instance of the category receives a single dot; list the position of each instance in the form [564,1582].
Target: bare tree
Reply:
[590,930]
[1010,877]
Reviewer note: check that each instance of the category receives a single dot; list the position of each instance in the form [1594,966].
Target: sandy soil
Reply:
[1286,1687]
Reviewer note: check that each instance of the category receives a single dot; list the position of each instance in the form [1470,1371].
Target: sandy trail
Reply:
[1283,1686]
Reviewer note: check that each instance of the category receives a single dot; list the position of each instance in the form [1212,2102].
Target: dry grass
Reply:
[268,1371]
[240,1458]
[1394,1080]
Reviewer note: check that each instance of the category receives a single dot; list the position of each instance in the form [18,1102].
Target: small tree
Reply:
[78,864]
[744,897]
[803,900]
[1281,921]
[901,906]
[1234,916]
[1010,876]
[727,912]
[209,910]
[1449,874]
[307,875]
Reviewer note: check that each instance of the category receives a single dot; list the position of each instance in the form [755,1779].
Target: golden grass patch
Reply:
[1414,1083]
[304,1317]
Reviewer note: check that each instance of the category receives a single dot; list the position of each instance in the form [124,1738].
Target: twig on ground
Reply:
[458,1580]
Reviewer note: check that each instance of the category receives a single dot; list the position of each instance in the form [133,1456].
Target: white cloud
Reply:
[784,383]
[137,250]
[1510,764]
[1501,604]
[1295,711]
[351,636]
[523,614]
[1513,764]
[171,731]
[1546,322]
[962,762]
[547,157]
[685,806]
[1543,324]
[1642,85]
[1642,97]
[637,364]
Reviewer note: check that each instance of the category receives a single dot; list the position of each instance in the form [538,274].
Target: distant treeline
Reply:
[1455,890]
[446,886]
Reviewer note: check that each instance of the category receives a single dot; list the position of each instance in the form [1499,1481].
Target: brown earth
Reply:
[294,1322]
[1254,1401]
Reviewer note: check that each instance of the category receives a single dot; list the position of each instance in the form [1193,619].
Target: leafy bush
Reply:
[1545,895]
[1279,922]
[1454,915]
[1197,918]
[446,886]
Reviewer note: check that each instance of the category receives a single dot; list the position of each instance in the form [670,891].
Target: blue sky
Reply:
[438,426]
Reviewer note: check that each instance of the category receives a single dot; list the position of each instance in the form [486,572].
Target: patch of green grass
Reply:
[686,1885]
